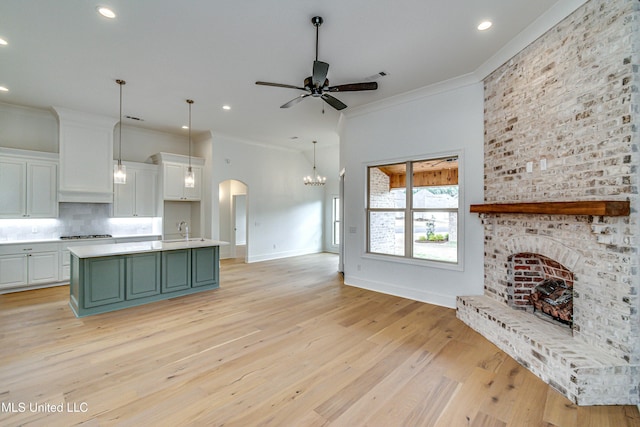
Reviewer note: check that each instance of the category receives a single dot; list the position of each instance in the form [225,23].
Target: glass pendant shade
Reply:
[119,170]
[119,174]
[189,179]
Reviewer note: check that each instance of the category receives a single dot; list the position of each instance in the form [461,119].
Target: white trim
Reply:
[403,292]
[413,95]
[279,255]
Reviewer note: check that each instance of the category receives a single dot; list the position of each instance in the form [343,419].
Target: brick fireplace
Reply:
[561,125]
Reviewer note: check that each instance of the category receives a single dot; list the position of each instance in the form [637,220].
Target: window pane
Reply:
[435,236]
[435,197]
[336,221]
[387,186]
[386,233]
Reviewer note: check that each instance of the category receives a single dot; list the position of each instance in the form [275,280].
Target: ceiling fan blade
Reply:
[294,101]
[334,102]
[280,85]
[320,70]
[353,87]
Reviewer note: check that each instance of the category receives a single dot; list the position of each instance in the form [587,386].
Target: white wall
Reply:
[327,161]
[28,128]
[436,123]
[285,217]
[36,129]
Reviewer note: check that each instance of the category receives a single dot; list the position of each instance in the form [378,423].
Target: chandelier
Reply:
[315,178]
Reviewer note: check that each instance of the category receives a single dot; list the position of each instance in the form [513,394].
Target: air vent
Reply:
[376,76]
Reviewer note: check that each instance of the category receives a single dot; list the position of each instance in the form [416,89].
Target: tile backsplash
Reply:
[77,219]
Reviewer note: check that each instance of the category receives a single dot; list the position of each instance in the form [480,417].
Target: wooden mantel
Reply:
[589,207]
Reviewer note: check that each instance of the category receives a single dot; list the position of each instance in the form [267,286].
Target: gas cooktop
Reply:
[87,236]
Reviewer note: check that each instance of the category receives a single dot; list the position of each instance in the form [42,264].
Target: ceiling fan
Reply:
[317,85]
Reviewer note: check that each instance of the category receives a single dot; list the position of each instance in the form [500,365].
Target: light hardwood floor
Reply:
[281,343]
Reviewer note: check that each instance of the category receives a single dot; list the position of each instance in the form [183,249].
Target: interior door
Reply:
[239,226]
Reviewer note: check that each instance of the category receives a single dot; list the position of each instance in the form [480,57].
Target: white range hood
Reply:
[86,157]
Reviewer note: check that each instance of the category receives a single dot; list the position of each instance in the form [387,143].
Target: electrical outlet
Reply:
[529,167]
[543,164]
[34,229]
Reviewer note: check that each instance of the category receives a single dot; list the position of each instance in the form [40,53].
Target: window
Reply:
[335,240]
[412,209]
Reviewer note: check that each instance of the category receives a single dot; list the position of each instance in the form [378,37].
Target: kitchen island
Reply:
[121,275]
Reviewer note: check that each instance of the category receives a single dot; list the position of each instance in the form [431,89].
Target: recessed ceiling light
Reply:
[185,127]
[106,12]
[485,25]
[226,107]
[3,42]
[3,89]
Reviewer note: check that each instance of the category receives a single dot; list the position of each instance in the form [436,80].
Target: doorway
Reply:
[233,202]
[239,226]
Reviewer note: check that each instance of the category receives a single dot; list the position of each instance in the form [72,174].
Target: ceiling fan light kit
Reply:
[317,85]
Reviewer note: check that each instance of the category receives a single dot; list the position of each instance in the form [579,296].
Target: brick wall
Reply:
[570,99]
[382,226]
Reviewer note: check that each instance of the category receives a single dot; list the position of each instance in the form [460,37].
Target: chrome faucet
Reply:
[186,229]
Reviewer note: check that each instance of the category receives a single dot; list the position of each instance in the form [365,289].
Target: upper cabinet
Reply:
[174,188]
[86,157]
[174,167]
[28,184]
[138,196]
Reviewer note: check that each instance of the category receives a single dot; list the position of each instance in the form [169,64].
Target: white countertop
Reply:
[57,239]
[110,249]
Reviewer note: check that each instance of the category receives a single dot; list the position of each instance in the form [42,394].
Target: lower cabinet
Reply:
[25,266]
[176,271]
[104,281]
[204,266]
[109,283]
[142,275]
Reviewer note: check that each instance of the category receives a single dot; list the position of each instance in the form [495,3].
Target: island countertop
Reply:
[93,251]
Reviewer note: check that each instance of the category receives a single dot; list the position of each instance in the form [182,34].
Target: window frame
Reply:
[335,220]
[409,211]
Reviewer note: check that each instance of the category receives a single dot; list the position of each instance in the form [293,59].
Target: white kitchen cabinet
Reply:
[13,271]
[138,196]
[86,157]
[28,185]
[28,265]
[174,188]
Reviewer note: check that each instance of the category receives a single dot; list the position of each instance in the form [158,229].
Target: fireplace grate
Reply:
[554,298]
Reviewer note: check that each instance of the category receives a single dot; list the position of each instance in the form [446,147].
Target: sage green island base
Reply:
[116,276]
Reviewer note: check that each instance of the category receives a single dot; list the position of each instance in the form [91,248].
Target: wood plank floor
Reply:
[281,343]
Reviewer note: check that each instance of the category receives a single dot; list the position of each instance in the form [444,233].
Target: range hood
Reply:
[86,156]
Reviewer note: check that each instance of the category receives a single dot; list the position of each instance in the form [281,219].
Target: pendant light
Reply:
[189,179]
[314,179]
[120,170]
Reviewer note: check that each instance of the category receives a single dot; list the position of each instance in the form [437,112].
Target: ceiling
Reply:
[64,53]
